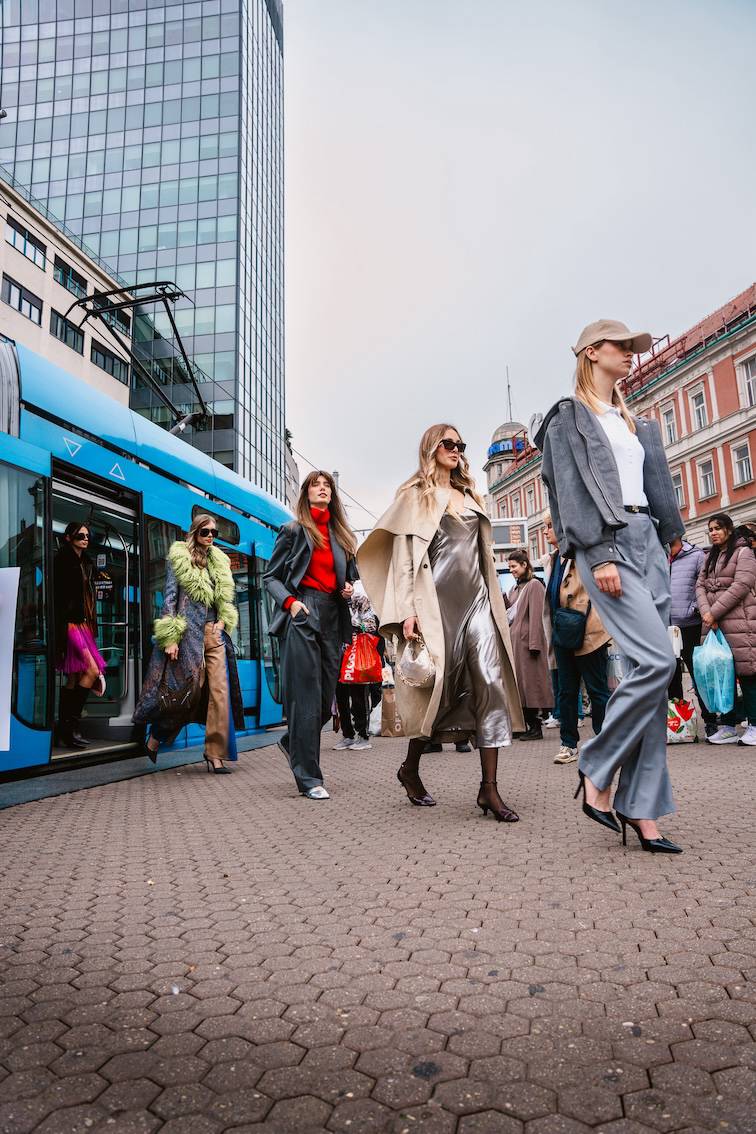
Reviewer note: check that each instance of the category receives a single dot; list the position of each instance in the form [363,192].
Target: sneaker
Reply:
[345,742]
[360,744]
[749,736]
[551,722]
[566,755]
[316,793]
[710,728]
[725,734]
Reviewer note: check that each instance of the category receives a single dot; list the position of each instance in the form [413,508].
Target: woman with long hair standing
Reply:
[193,654]
[726,593]
[309,578]
[428,568]
[77,656]
[613,508]
[531,650]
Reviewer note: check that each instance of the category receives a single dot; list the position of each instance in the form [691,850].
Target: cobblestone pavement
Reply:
[195,954]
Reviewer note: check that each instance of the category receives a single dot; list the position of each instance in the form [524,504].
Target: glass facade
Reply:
[154,130]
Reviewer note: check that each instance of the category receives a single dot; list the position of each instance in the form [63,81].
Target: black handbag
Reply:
[176,698]
[568,631]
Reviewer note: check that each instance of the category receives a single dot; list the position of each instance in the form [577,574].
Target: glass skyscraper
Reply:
[154,129]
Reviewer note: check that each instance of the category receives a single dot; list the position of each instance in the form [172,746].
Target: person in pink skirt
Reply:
[77,656]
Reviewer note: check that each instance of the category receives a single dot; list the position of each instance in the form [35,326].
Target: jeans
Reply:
[748,686]
[573,667]
[354,708]
[555,686]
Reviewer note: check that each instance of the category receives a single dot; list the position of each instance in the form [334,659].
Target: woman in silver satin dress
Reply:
[438,527]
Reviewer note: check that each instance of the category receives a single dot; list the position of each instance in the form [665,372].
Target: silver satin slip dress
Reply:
[473,703]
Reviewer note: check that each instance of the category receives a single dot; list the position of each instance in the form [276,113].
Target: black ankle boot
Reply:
[534,732]
[79,697]
[66,731]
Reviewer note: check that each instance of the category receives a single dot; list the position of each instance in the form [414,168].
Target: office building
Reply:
[155,132]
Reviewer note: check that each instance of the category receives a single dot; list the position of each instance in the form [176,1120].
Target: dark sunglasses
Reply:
[78,538]
[450,445]
[208,531]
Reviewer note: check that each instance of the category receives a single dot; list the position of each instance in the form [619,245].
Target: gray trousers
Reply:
[310,659]
[633,739]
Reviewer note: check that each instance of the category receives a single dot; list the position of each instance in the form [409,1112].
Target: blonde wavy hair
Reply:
[339,523]
[585,389]
[197,554]
[424,479]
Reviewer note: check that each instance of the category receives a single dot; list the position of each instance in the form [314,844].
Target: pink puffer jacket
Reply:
[729,594]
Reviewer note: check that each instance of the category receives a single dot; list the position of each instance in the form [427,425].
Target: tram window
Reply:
[245,636]
[160,536]
[228,531]
[22,544]
[269,648]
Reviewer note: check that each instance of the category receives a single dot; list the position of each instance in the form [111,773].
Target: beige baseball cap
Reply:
[615,332]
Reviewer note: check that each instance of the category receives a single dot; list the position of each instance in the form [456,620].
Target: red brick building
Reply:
[701,387]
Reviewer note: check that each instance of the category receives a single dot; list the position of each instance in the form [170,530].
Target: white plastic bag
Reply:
[374,727]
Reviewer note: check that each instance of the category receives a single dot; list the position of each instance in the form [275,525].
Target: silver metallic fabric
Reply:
[473,703]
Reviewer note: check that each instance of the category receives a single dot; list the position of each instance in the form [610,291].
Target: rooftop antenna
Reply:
[509,397]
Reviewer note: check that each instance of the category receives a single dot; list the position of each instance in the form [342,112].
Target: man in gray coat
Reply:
[685,563]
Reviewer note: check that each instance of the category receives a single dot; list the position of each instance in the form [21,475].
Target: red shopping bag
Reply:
[361,663]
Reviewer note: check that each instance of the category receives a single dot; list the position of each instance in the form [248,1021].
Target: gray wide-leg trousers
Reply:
[310,659]
[633,739]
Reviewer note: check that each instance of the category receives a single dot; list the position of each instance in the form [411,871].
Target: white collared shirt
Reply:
[628,453]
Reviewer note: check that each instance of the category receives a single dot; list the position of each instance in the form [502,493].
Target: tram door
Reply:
[112,518]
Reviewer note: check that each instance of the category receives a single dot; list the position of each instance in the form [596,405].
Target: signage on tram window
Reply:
[101,560]
[103,585]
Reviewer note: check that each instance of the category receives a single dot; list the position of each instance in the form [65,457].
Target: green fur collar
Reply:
[214,587]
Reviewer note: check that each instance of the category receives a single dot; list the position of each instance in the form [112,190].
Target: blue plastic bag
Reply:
[714,671]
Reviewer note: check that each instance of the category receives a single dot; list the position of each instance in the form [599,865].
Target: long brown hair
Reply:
[585,390]
[198,554]
[522,557]
[339,522]
[424,477]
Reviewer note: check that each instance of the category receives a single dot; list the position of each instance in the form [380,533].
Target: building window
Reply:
[67,332]
[741,463]
[516,505]
[110,362]
[750,381]
[534,548]
[677,482]
[501,506]
[118,320]
[669,425]
[529,500]
[64,274]
[706,481]
[24,301]
[27,244]
[698,406]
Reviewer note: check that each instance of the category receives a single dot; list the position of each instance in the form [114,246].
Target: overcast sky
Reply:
[469,183]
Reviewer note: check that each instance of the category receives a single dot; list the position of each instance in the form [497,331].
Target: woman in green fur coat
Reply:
[193,654]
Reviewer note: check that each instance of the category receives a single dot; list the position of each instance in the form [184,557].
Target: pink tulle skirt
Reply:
[81,651]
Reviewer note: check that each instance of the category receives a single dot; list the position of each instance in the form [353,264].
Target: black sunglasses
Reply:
[78,537]
[208,531]
[450,445]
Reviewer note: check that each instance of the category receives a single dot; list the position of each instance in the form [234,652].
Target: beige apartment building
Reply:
[43,270]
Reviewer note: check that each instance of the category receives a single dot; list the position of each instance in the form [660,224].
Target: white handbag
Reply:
[675,637]
[416,667]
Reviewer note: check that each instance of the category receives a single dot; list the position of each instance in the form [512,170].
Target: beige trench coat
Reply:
[395,570]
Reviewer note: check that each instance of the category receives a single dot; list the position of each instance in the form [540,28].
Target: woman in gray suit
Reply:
[613,508]
[309,577]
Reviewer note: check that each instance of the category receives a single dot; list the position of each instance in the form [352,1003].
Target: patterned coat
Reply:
[729,595]
[190,595]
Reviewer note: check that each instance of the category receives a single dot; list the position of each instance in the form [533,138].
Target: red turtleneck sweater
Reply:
[321,573]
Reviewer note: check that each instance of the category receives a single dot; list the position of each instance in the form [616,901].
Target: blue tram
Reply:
[69,452]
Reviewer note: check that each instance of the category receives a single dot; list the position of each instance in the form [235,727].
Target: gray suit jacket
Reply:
[288,566]
[581,475]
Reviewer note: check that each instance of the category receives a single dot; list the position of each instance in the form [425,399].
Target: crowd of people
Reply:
[619,573]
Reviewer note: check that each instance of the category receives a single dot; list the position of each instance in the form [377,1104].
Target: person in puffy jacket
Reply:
[726,593]
[685,563]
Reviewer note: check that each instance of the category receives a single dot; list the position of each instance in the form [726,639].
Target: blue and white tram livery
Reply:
[69,452]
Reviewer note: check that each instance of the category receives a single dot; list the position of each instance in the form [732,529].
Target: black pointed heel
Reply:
[605,818]
[655,846]
[501,815]
[222,771]
[421,800]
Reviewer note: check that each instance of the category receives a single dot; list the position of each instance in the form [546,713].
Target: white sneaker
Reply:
[316,793]
[361,744]
[551,722]
[566,755]
[725,734]
[749,736]
[344,743]
[581,722]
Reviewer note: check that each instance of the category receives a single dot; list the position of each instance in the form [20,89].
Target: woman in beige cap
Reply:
[613,508]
